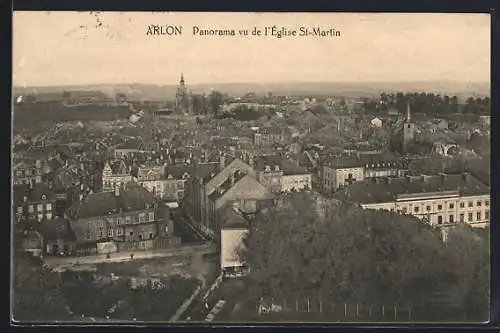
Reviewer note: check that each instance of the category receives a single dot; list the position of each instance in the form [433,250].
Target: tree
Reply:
[37,292]
[215,100]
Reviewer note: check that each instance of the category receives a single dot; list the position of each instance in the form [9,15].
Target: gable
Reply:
[247,188]
[222,176]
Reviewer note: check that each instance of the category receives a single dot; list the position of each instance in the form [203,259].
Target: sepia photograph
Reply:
[243,168]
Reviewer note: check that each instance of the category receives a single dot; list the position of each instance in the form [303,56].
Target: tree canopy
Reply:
[37,293]
[347,254]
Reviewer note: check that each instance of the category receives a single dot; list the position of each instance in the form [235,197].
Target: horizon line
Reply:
[251,82]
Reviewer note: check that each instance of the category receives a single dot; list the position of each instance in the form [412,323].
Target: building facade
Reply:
[115,177]
[441,200]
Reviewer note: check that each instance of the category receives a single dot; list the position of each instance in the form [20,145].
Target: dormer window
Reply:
[25,198]
[267,168]
[276,168]
[44,197]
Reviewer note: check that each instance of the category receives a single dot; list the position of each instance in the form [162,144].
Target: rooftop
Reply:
[34,193]
[131,198]
[232,217]
[386,190]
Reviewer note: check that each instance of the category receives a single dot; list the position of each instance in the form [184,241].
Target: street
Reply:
[61,263]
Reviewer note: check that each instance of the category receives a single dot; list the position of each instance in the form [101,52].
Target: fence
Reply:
[321,309]
[149,244]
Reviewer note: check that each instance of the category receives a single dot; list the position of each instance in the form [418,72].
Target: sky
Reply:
[76,48]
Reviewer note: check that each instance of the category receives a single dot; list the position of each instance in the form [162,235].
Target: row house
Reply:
[129,214]
[33,202]
[115,175]
[267,136]
[164,182]
[441,200]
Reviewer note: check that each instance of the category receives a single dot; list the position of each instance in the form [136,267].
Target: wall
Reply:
[231,240]
[297,182]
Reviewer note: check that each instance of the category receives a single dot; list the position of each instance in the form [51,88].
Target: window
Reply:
[128,219]
[471,204]
[478,216]
[20,209]
[30,208]
[452,206]
[166,228]
[462,204]
[440,219]
[131,233]
[48,206]
[40,207]
[462,217]
[470,217]
[150,235]
[100,233]
[452,219]
[479,203]
[487,214]
[151,216]
[416,209]
[440,207]
[119,231]
[49,216]
[405,210]
[141,217]
[428,208]
[486,202]
[40,217]
[110,233]
[392,209]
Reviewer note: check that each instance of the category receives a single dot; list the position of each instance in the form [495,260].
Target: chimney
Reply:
[222,161]
[466,177]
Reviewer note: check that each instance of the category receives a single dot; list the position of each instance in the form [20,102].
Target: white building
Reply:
[441,200]
[376,122]
[115,177]
[234,228]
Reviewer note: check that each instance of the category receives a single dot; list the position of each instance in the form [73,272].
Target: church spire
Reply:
[408,113]
[182,78]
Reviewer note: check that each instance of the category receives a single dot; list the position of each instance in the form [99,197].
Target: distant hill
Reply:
[154,92]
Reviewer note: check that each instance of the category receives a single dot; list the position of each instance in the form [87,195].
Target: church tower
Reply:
[182,102]
[408,130]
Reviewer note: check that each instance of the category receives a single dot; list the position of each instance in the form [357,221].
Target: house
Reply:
[33,202]
[266,136]
[130,148]
[128,215]
[58,237]
[376,122]
[339,171]
[115,175]
[26,172]
[441,200]
[281,175]
[166,183]
[28,239]
[234,228]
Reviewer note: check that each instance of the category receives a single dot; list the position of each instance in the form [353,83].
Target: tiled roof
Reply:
[56,229]
[177,170]
[386,190]
[132,198]
[224,187]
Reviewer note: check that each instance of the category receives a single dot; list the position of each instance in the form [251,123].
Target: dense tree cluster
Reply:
[347,254]
[429,103]
[37,293]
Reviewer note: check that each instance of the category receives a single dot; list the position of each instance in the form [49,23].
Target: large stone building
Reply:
[441,200]
[164,182]
[214,185]
[408,131]
[129,214]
